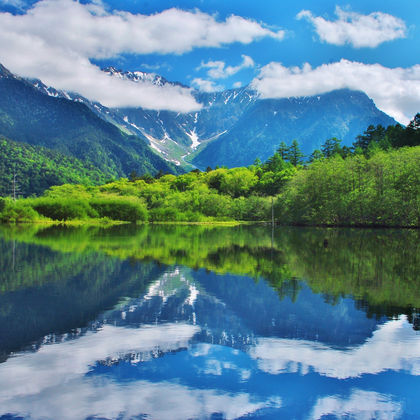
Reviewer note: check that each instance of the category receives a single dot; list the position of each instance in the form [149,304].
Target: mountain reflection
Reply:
[176,322]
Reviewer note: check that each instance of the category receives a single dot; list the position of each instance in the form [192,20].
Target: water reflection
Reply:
[392,346]
[183,322]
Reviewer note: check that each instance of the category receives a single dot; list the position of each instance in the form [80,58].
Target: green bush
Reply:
[2,204]
[164,214]
[63,209]
[216,205]
[251,208]
[171,214]
[382,190]
[18,212]
[191,216]
[120,208]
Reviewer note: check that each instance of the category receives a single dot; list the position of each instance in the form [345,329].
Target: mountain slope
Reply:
[71,128]
[173,135]
[311,120]
[37,168]
[235,126]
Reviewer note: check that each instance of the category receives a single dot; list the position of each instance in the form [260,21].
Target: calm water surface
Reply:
[194,322]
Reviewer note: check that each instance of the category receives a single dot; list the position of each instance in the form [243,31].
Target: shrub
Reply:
[120,208]
[62,208]
[216,205]
[251,208]
[18,212]
[191,216]
[164,214]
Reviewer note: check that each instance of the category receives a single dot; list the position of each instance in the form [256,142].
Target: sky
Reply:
[279,48]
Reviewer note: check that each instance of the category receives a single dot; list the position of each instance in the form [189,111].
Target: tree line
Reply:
[376,182]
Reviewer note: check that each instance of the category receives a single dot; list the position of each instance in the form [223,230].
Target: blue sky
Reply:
[299,46]
[213,45]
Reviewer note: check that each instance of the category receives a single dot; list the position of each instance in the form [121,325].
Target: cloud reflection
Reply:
[394,346]
[360,405]
[81,398]
[52,383]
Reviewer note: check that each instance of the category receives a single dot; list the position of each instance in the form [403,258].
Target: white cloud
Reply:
[356,29]
[55,40]
[394,346]
[237,85]
[396,91]
[206,85]
[219,70]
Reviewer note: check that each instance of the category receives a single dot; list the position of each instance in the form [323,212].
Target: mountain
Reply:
[236,126]
[311,120]
[37,168]
[173,135]
[66,125]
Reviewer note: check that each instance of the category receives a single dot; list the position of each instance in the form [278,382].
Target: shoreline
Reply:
[227,223]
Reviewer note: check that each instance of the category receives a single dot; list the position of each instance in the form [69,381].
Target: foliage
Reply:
[37,169]
[62,209]
[17,212]
[383,190]
[331,147]
[128,209]
[71,128]
[368,186]
[294,154]
[393,136]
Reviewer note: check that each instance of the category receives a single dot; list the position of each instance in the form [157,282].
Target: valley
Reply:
[234,127]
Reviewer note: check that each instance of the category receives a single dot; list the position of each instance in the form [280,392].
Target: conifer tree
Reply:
[331,147]
[316,155]
[294,154]
[283,150]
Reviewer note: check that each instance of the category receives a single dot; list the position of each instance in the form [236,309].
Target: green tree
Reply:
[283,150]
[371,134]
[133,176]
[295,156]
[331,147]
[345,151]
[275,163]
[316,155]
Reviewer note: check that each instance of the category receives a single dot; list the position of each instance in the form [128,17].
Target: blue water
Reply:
[94,336]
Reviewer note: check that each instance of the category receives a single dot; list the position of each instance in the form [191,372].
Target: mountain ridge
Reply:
[70,127]
[311,120]
[235,126]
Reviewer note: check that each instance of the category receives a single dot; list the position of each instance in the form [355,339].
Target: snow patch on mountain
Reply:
[158,146]
[194,138]
[139,76]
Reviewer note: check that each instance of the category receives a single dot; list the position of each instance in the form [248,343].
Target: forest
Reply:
[37,168]
[376,182]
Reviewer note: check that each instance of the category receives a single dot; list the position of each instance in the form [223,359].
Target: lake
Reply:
[207,322]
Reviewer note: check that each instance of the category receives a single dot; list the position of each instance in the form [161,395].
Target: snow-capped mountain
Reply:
[139,76]
[236,126]
[34,113]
